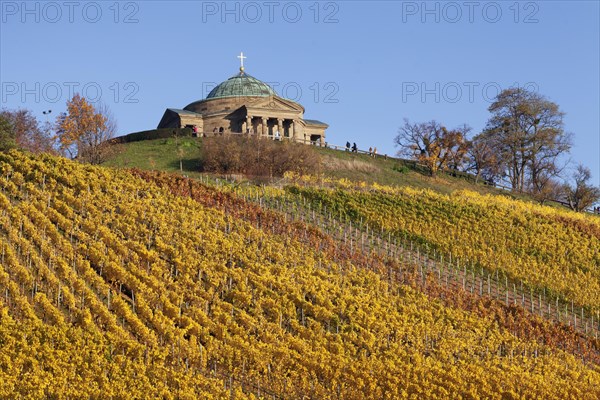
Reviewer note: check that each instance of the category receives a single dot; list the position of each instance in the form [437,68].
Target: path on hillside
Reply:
[447,272]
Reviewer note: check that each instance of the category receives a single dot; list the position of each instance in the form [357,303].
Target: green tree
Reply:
[28,133]
[7,134]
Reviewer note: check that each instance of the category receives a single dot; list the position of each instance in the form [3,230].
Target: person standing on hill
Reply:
[354,148]
[347,146]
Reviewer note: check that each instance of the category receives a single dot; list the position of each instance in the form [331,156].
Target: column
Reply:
[293,129]
[280,128]
[264,129]
[248,124]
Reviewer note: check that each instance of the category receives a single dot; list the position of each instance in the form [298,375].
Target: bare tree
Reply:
[581,194]
[482,158]
[459,147]
[551,189]
[527,133]
[433,144]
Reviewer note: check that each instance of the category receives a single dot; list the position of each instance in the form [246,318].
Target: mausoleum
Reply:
[245,105]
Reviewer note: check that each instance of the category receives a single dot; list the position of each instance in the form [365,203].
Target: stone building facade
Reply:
[244,104]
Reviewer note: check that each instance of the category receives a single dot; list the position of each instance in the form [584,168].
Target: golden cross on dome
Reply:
[242,57]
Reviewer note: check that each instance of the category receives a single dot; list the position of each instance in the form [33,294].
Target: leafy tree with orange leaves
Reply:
[84,130]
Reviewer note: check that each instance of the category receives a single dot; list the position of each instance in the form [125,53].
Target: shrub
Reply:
[257,156]
[403,169]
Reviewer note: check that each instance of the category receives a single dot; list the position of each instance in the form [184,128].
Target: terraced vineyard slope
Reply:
[554,252]
[117,284]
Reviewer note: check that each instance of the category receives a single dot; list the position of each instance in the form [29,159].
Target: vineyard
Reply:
[551,251]
[130,284]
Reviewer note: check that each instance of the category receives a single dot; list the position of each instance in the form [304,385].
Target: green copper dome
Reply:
[241,84]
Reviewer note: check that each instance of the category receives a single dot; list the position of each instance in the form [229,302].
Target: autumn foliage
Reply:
[125,284]
[25,131]
[83,131]
[552,251]
[434,145]
[255,156]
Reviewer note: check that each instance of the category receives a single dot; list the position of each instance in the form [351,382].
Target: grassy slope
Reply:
[162,155]
[159,154]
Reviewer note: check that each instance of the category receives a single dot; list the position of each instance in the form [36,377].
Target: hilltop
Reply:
[162,155]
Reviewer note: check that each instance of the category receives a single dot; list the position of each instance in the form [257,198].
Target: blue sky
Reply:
[359,66]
